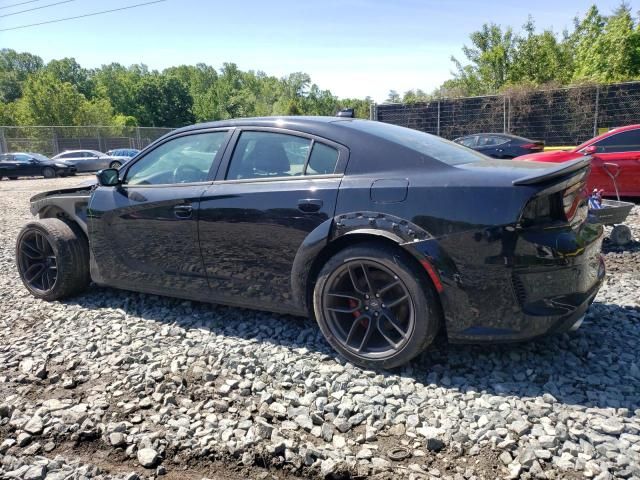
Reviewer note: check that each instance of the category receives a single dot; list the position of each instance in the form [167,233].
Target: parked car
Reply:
[385,234]
[123,152]
[501,145]
[614,154]
[89,160]
[24,164]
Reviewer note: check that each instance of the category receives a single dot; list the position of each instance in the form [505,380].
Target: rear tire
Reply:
[382,322]
[48,172]
[115,165]
[13,178]
[53,259]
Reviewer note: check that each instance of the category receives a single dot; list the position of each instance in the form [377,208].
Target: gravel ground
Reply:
[115,384]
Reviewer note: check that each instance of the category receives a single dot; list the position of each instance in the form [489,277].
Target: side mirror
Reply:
[108,177]
[590,150]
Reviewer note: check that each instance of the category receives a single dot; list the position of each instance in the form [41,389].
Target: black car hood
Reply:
[83,188]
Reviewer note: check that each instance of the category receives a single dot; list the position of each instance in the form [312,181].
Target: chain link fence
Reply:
[564,116]
[53,140]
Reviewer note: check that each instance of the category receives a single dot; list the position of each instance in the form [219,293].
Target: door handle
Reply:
[309,205]
[183,211]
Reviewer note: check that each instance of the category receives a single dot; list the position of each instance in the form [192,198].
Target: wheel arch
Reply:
[70,211]
[363,227]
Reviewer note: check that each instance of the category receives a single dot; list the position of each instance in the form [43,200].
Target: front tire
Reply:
[53,259]
[13,178]
[375,307]
[48,172]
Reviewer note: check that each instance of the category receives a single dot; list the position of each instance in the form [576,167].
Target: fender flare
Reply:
[416,241]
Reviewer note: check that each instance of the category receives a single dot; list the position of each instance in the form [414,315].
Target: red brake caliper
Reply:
[357,313]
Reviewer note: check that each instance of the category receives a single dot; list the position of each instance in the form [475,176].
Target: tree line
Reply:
[597,49]
[62,92]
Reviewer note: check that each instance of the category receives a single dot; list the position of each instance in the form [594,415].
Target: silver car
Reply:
[89,160]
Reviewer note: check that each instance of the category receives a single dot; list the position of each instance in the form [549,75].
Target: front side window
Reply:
[21,158]
[620,142]
[185,159]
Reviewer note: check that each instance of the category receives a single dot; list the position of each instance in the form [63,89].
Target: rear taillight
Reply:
[532,146]
[572,198]
[568,205]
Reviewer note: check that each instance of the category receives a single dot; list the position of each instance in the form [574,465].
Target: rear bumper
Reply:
[542,285]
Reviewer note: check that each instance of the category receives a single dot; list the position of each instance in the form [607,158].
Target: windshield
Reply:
[430,145]
[39,157]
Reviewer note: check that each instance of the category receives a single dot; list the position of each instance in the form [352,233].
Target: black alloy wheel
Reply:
[369,309]
[37,261]
[375,307]
[53,258]
[48,172]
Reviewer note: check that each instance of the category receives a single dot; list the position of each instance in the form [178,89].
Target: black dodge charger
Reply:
[384,234]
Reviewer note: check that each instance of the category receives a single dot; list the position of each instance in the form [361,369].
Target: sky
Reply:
[355,48]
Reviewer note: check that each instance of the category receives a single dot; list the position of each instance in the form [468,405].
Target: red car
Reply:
[614,154]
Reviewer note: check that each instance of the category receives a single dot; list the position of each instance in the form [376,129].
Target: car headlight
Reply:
[61,165]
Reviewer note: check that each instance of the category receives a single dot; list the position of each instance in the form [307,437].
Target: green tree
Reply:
[393,97]
[163,102]
[415,96]
[540,58]
[14,69]
[68,70]
[490,56]
[607,49]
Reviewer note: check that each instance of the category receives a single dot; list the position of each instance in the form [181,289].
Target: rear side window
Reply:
[323,160]
[429,145]
[270,154]
[467,141]
[620,142]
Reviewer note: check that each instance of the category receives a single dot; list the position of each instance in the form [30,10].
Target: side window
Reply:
[323,160]
[182,160]
[468,141]
[21,158]
[268,154]
[620,142]
[490,141]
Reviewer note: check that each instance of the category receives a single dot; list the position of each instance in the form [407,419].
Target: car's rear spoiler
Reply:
[557,170]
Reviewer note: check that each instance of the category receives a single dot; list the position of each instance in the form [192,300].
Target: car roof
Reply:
[495,134]
[332,128]
[79,151]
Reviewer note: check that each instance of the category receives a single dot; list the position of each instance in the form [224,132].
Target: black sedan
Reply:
[501,145]
[384,234]
[19,164]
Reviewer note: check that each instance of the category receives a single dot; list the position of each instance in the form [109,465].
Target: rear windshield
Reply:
[430,145]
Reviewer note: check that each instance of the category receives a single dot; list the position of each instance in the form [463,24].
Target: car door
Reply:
[273,189]
[6,165]
[143,233]
[490,145]
[28,166]
[92,162]
[618,156]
